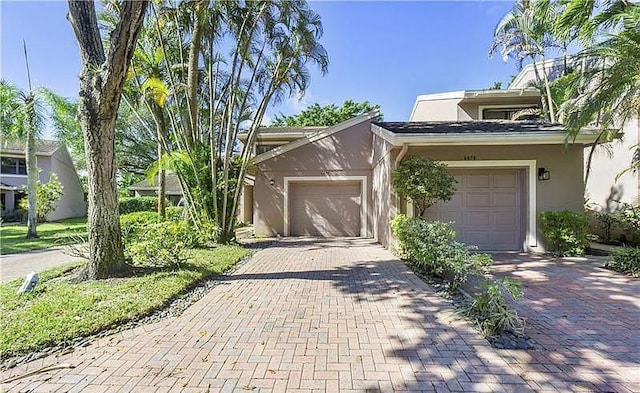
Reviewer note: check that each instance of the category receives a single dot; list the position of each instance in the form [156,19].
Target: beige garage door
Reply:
[486,209]
[326,209]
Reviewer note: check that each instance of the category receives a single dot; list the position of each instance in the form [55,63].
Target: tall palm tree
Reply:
[22,119]
[525,33]
[607,89]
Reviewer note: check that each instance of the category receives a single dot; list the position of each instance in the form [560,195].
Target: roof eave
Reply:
[495,139]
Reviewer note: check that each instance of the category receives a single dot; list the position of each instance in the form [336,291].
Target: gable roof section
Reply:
[478,132]
[172,185]
[316,136]
[44,147]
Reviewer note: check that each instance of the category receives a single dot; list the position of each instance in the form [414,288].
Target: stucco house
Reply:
[335,181]
[605,191]
[172,188]
[52,157]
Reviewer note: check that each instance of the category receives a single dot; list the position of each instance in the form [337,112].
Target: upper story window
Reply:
[507,113]
[265,148]
[13,166]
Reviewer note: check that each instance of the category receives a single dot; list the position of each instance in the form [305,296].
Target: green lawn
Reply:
[59,310]
[12,237]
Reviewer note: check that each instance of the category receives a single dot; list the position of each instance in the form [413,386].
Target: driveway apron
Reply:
[585,317]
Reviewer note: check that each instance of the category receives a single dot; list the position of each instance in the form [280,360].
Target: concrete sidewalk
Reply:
[18,265]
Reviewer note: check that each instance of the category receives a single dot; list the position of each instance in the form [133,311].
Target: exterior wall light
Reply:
[272,182]
[544,174]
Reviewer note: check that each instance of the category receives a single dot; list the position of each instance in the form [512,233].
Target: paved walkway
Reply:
[18,265]
[301,316]
[345,315]
[587,319]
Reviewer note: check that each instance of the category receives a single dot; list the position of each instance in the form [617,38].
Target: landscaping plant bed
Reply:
[60,315]
[462,297]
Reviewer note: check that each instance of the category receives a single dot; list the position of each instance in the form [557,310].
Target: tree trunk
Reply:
[547,86]
[101,82]
[543,99]
[161,182]
[192,74]
[32,175]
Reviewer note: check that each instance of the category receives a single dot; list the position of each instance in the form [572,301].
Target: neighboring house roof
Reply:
[323,133]
[172,185]
[478,132]
[277,133]
[44,147]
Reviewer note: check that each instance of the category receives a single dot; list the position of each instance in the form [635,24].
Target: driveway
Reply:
[18,265]
[585,317]
[311,315]
[299,316]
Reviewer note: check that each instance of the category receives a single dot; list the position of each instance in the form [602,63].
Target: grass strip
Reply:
[59,310]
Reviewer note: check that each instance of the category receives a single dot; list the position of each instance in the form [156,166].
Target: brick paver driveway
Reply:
[305,315]
[586,318]
[300,316]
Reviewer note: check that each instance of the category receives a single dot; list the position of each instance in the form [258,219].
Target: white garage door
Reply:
[325,209]
[486,209]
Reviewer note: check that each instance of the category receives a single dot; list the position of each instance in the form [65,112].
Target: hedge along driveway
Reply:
[59,310]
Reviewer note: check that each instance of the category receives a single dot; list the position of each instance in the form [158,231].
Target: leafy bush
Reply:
[137,204]
[423,181]
[132,223]
[162,244]
[174,213]
[565,232]
[607,221]
[629,220]
[490,308]
[47,195]
[625,260]
[431,246]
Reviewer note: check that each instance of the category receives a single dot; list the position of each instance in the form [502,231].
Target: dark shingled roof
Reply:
[43,146]
[468,127]
[172,185]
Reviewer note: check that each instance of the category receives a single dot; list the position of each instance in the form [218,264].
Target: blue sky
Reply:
[383,52]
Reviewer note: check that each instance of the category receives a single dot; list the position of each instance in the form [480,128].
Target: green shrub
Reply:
[47,195]
[565,232]
[132,223]
[431,247]
[625,260]
[424,181]
[137,204]
[490,309]
[174,213]
[162,244]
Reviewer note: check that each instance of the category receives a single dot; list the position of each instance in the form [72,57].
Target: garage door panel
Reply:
[477,181]
[505,180]
[451,216]
[477,238]
[478,199]
[327,209]
[507,218]
[507,199]
[478,218]
[487,208]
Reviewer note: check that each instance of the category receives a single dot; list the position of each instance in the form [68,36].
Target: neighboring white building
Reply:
[52,157]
